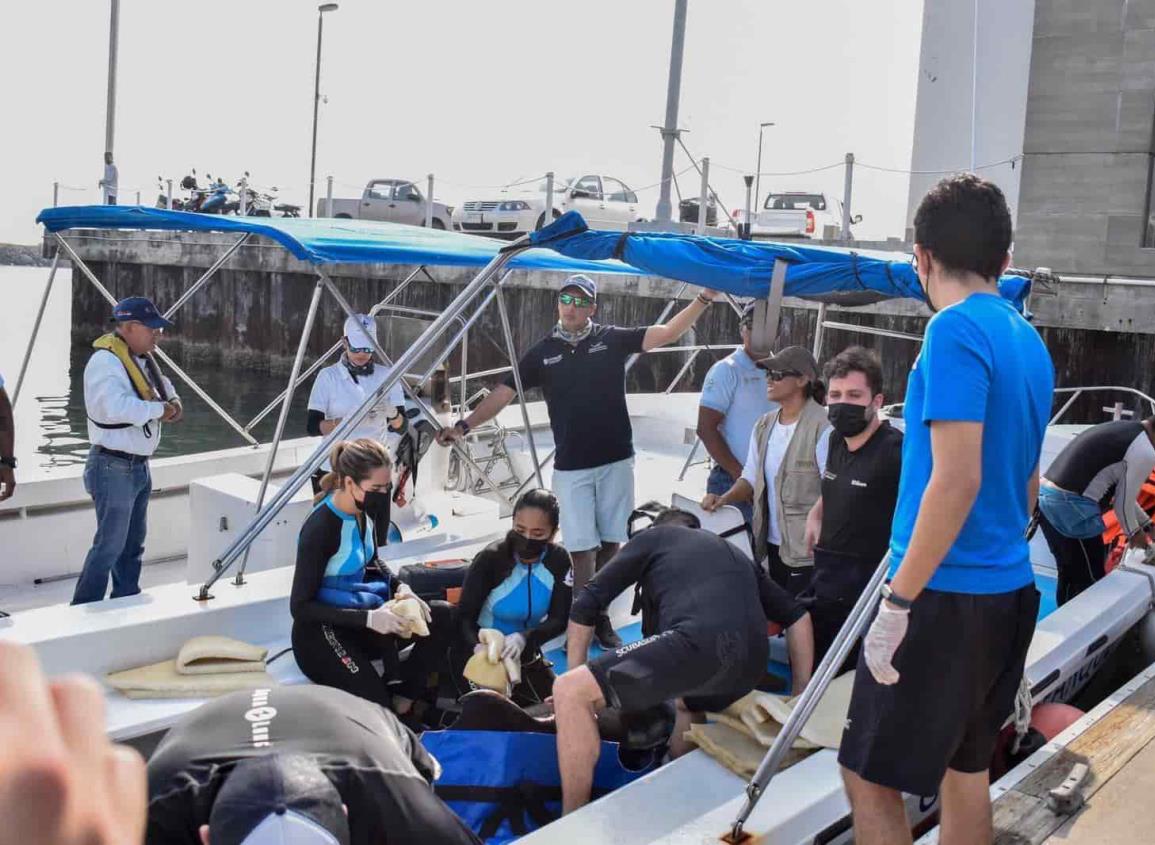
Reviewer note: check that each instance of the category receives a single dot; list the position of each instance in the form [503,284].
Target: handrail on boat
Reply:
[1076,392]
[827,670]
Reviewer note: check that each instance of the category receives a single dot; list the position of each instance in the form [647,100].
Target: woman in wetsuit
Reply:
[340,621]
[522,586]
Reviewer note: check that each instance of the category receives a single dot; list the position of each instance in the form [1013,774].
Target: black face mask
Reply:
[847,419]
[376,504]
[524,547]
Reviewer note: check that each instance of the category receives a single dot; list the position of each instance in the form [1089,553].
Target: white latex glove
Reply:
[514,646]
[405,590]
[882,641]
[385,621]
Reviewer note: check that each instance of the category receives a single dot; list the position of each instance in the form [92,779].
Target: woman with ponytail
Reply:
[340,618]
[521,586]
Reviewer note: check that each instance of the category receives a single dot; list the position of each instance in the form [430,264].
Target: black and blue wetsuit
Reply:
[330,600]
[532,599]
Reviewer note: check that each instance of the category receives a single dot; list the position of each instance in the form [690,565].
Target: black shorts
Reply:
[960,666]
[793,579]
[708,670]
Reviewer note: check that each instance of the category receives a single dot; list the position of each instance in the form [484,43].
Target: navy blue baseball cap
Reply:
[142,310]
[583,283]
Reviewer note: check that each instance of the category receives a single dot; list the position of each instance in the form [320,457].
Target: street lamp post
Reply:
[758,172]
[324,7]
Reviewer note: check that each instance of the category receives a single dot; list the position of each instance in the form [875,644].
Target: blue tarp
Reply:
[326,240]
[742,268]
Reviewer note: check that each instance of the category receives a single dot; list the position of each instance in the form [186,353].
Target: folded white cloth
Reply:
[205,667]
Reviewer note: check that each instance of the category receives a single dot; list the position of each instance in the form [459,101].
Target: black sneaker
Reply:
[605,635]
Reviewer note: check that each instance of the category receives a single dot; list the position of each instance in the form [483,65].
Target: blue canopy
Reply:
[744,268]
[327,240]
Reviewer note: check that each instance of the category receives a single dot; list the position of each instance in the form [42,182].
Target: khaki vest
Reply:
[798,484]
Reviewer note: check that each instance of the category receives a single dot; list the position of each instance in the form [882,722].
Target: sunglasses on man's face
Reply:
[579,301]
[361,350]
[778,375]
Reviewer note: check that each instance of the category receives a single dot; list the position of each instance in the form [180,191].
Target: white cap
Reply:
[360,331]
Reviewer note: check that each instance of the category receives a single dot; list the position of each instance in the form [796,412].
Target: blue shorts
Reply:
[596,504]
[1071,515]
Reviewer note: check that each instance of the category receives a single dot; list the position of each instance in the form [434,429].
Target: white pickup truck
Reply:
[795,214]
[392,200]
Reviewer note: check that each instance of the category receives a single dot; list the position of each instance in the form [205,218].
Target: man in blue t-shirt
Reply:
[733,400]
[945,654]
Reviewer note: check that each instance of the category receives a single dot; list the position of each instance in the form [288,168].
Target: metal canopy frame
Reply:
[474,294]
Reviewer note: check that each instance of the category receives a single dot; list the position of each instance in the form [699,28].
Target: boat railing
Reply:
[1117,411]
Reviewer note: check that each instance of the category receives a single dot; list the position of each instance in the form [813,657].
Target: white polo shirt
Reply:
[337,393]
[109,397]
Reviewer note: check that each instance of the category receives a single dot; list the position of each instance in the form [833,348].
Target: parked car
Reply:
[604,202]
[393,200]
[795,214]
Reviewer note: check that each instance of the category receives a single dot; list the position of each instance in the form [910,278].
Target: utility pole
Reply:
[664,213]
[110,107]
[324,7]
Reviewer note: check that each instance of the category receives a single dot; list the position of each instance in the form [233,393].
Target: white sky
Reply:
[479,93]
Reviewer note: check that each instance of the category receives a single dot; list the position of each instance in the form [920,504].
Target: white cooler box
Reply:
[221,506]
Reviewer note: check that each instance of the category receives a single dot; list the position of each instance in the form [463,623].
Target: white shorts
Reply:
[596,504]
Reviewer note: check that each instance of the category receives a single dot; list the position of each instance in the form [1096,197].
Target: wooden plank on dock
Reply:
[1122,812]
[1021,815]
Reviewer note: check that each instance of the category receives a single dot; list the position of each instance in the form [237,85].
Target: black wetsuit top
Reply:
[690,580]
[380,769]
[491,567]
[1108,463]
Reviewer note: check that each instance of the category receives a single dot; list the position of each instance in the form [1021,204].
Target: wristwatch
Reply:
[9,461]
[463,425]
[894,598]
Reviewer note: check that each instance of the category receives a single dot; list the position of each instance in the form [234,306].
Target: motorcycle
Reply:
[263,203]
[216,197]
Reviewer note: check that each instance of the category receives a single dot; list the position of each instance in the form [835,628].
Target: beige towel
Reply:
[162,680]
[487,669]
[409,608]
[213,655]
[734,749]
[205,667]
[761,715]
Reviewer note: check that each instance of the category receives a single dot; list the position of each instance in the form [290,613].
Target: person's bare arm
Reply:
[740,492]
[329,425]
[661,334]
[577,644]
[1032,493]
[489,408]
[813,526]
[956,452]
[800,647]
[709,422]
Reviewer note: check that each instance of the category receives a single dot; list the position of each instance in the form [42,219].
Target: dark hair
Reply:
[676,516]
[856,359]
[356,459]
[544,501]
[815,390]
[965,224]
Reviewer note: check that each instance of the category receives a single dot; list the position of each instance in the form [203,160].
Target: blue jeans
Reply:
[120,490]
[1070,514]
[719,482]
